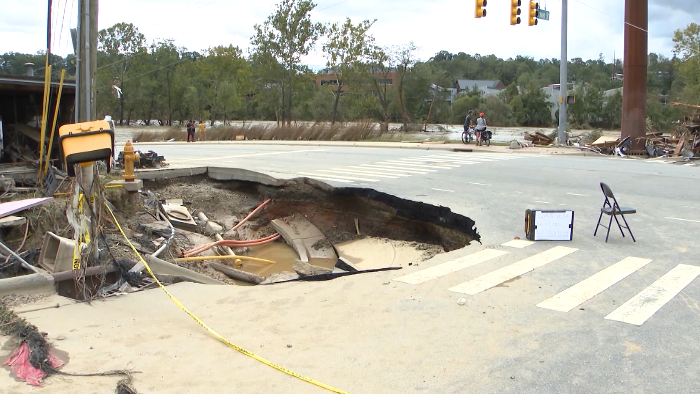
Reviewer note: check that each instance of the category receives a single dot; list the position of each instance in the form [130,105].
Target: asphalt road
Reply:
[527,325]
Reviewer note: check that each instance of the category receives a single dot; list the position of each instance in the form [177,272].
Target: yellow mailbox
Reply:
[86,142]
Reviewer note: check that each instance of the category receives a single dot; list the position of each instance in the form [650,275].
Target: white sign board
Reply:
[553,226]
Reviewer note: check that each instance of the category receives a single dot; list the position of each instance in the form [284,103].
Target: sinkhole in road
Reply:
[324,232]
[366,228]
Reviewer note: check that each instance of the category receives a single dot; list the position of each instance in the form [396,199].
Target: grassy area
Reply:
[313,132]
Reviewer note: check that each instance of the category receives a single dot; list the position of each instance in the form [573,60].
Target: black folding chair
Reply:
[613,210]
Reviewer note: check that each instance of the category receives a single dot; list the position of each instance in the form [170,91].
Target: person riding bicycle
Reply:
[480,126]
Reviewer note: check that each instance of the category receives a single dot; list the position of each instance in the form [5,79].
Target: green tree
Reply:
[119,44]
[404,57]
[348,46]
[687,47]
[280,42]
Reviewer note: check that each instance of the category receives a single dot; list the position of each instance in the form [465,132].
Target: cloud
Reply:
[595,26]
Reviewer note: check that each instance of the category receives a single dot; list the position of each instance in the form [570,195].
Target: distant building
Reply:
[487,88]
[328,77]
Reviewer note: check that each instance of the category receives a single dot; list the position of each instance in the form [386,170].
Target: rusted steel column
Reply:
[634,88]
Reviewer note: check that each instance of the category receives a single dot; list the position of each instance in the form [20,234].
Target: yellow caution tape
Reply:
[214,333]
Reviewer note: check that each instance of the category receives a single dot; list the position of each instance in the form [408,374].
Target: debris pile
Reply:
[539,139]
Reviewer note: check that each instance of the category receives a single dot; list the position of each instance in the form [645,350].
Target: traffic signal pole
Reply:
[563,78]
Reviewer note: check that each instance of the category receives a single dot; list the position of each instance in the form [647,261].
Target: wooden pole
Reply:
[634,87]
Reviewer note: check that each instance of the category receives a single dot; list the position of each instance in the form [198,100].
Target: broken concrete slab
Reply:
[239,174]
[39,283]
[283,276]
[12,221]
[159,266]
[306,269]
[307,240]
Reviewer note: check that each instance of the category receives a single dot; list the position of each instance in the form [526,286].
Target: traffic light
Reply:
[532,17]
[480,10]
[515,12]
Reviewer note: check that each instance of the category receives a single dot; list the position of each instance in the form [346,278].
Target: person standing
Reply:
[480,127]
[202,130]
[190,131]
[468,121]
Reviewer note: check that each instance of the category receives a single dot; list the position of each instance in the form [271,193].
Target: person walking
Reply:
[202,130]
[480,127]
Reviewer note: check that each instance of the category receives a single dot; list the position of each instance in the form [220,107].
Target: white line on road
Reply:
[684,220]
[542,202]
[512,271]
[440,166]
[576,194]
[518,243]
[449,267]
[443,190]
[361,173]
[643,306]
[479,184]
[338,177]
[397,169]
[250,155]
[594,285]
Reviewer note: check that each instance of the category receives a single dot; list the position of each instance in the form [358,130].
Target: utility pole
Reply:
[634,85]
[563,78]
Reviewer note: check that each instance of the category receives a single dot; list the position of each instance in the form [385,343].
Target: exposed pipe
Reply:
[232,257]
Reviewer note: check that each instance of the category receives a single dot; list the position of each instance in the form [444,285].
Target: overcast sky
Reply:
[595,26]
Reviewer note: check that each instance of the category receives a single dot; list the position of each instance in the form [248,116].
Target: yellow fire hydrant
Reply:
[130,157]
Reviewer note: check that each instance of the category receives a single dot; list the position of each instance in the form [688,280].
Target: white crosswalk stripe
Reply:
[514,270]
[450,266]
[635,311]
[645,304]
[408,166]
[594,285]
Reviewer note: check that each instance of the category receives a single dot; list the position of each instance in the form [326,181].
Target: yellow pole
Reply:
[47,91]
[55,118]
[232,257]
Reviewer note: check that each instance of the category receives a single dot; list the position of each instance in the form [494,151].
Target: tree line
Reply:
[161,81]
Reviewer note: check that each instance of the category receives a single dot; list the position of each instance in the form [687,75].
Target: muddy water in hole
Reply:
[282,254]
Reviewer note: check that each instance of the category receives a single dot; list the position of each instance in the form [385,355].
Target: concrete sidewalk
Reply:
[453,147]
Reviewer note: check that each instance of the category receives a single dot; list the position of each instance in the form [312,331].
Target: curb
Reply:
[385,145]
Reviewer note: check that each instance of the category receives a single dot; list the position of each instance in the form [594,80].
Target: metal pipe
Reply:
[563,78]
[90,271]
[172,231]
[15,255]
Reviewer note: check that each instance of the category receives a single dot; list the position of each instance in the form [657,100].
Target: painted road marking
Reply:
[643,306]
[576,194]
[518,243]
[325,178]
[684,220]
[594,285]
[252,155]
[361,173]
[449,267]
[443,190]
[542,202]
[419,166]
[479,184]
[397,169]
[338,177]
[512,271]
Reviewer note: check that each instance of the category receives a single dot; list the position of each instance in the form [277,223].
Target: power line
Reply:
[608,15]
[341,2]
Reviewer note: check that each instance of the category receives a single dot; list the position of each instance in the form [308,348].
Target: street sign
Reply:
[542,14]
